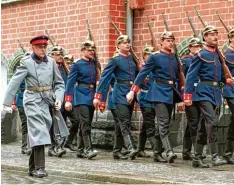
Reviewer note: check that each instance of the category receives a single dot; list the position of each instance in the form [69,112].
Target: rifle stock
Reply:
[227,73]
[153,41]
[180,70]
[135,58]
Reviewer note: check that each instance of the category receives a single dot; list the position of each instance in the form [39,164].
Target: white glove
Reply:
[7,109]
[57,104]
[130,96]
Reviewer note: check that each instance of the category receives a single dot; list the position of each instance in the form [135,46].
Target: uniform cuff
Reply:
[68,98]
[188,96]
[135,88]
[98,96]
[14,102]
[102,104]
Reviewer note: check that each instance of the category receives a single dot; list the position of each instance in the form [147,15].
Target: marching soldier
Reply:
[228,94]
[124,69]
[148,129]
[83,75]
[206,96]
[192,121]
[42,91]
[164,68]
[72,115]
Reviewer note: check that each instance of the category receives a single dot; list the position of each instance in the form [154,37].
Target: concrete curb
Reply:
[111,178]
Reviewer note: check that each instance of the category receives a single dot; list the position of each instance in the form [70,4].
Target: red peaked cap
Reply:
[42,39]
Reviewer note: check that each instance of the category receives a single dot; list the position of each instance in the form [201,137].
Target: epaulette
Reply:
[156,52]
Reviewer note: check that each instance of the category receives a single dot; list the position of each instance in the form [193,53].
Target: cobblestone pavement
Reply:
[104,168]
[18,177]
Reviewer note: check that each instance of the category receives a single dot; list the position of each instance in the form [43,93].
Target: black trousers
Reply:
[124,115]
[193,128]
[163,113]
[209,127]
[148,126]
[85,113]
[230,134]
[37,158]
[23,119]
[73,117]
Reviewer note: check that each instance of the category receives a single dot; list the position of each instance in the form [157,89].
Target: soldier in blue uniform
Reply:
[228,94]
[148,129]
[83,75]
[124,69]
[165,90]
[23,118]
[190,133]
[206,67]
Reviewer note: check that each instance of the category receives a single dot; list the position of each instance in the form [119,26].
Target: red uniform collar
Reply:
[165,51]
[209,48]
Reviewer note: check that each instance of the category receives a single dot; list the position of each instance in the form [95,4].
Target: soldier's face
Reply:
[194,49]
[39,50]
[232,40]
[58,57]
[211,38]
[167,44]
[88,53]
[124,47]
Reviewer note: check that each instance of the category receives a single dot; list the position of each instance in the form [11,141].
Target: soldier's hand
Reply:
[230,81]
[130,96]
[96,103]
[57,104]
[7,109]
[13,107]
[181,106]
[188,102]
[68,106]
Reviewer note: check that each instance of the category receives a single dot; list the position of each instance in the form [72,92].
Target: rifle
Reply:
[52,42]
[180,70]
[222,59]
[191,24]
[24,51]
[199,16]
[226,28]
[97,63]
[153,41]
[135,58]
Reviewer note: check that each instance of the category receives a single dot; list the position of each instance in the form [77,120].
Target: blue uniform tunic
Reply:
[110,103]
[207,67]
[186,61]
[63,73]
[163,67]
[123,68]
[19,97]
[228,91]
[81,72]
[144,90]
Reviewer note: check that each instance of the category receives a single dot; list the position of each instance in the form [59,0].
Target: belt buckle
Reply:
[215,83]
[130,82]
[170,82]
[91,86]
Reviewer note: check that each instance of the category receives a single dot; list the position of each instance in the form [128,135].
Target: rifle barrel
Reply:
[226,28]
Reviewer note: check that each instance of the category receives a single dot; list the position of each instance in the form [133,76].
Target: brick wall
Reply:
[66,21]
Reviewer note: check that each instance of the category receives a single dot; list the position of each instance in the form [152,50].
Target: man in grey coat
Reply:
[44,89]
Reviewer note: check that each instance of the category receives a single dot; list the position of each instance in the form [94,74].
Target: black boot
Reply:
[39,161]
[88,146]
[157,147]
[229,152]
[197,161]
[118,143]
[141,146]
[216,159]
[128,143]
[69,144]
[31,170]
[187,147]
[24,149]
[80,148]
[171,156]
[51,151]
